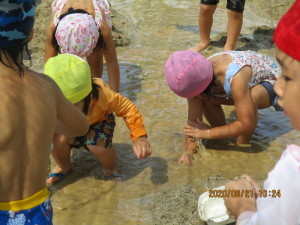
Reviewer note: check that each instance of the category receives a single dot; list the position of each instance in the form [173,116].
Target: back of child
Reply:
[277,203]
[30,105]
[83,28]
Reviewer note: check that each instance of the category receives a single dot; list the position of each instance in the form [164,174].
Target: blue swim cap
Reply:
[16,21]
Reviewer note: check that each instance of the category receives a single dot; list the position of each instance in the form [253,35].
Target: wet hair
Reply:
[208,91]
[100,44]
[94,94]
[14,56]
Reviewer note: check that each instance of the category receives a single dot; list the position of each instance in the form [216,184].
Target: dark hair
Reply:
[100,44]
[94,94]
[12,55]
[208,90]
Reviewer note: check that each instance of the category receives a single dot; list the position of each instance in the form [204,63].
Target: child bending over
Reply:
[244,79]
[98,102]
[83,28]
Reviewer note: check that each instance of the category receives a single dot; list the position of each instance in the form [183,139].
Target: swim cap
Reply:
[188,73]
[72,74]
[287,33]
[16,21]
[77,34]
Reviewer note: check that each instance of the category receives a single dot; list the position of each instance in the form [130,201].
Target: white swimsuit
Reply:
[264,68]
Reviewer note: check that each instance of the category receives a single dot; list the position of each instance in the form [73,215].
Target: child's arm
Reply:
[50,50]
[123,107]
[141,147]
[245,123]
[277,203]
[71,121]
[126,109]
[237,206]
[110,56]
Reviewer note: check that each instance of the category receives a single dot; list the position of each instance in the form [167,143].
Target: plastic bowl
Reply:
[213,210]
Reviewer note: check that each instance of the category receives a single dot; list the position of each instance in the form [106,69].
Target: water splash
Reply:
[201,148]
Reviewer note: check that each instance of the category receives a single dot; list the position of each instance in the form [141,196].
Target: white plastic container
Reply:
[213,210]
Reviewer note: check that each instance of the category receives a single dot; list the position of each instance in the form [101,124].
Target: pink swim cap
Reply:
[188,73]
[77,34]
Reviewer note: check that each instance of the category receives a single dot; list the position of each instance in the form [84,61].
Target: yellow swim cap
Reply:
[72,74]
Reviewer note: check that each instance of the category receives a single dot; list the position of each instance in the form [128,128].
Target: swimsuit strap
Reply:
[57,6]
[98,13]
[231,71]
[102,5]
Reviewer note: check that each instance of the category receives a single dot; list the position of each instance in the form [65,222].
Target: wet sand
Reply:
[148,194]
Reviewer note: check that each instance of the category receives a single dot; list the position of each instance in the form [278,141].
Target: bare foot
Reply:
[186,159]
[200,47]
[190,145]
[57,174]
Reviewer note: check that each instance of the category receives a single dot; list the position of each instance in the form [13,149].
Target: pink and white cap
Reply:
[77,34]
[188,73]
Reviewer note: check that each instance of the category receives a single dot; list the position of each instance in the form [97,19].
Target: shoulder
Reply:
[44,81]
[103,88]
[288,164]
[99,82]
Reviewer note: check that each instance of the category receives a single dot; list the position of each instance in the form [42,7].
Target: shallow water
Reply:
[161,27]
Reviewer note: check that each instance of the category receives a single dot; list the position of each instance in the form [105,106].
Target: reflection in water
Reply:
[82,198]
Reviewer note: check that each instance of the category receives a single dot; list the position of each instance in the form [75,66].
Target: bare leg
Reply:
[106,156]
[196,109]
[234,26]
[261,100]
[214,114]
[205,23]
[195,112]
[95,60]
[61,153]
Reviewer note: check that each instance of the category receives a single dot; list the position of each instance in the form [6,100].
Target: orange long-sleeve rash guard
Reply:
[110,101]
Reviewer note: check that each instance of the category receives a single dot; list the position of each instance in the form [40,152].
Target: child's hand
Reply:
[255,185]
[199,124]
[142,148]
[195,132]
[238,205]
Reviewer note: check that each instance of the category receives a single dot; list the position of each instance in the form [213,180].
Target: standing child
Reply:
[98,102]
[235,9]
[278,202]
[83,28]
[244,79]
[32,108]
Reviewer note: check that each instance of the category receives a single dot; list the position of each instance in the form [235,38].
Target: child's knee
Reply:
[100,151]
[207,10]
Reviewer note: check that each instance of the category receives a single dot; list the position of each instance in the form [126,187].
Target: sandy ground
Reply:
[43,12]
[177,205]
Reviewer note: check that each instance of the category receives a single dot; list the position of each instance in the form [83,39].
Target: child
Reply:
[31,106]
[83,28]
[235,10]
[241,78]
[278,202]
[98,102]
